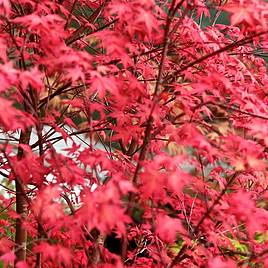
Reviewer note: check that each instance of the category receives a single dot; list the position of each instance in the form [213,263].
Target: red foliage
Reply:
[162,113]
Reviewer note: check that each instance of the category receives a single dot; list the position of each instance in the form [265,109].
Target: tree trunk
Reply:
[21,205]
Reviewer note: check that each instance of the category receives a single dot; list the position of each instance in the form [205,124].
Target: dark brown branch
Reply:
[238,43]
[57,92]
[71,40]
[149,126]
[216,201]
[83,131]
[70,15]
[242,112]
[181,255]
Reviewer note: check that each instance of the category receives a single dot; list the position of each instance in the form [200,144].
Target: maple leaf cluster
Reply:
[161,111]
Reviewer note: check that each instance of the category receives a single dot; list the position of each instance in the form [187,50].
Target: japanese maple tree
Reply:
[163,112]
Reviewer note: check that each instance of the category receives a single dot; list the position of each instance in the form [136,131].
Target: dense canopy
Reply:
[161,107]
